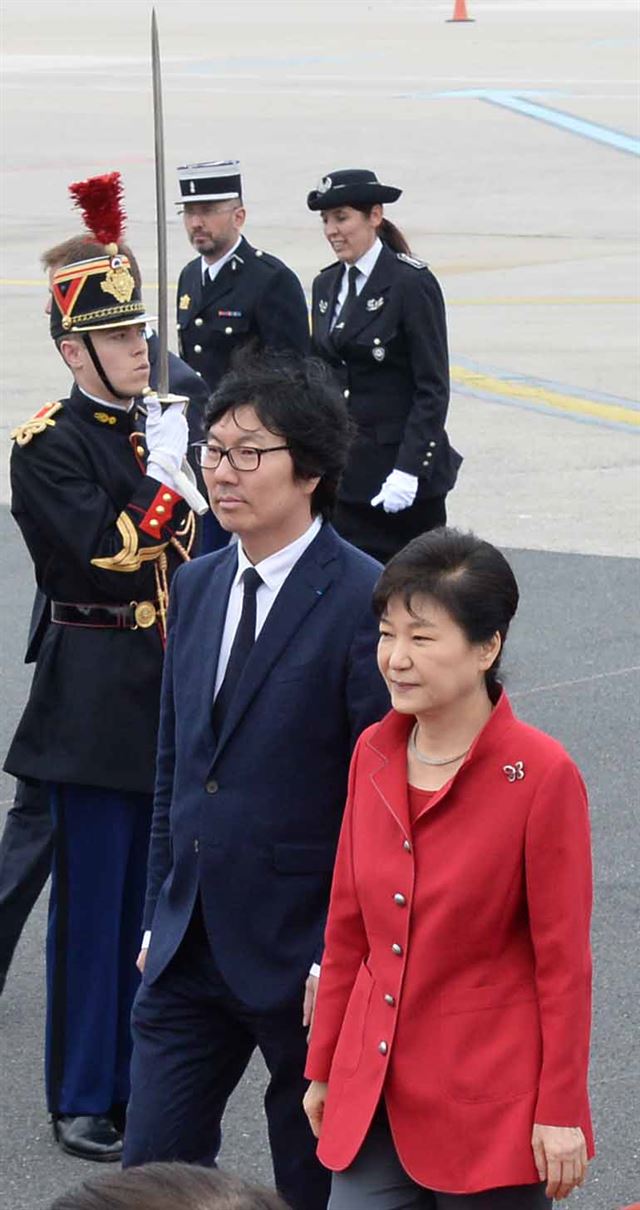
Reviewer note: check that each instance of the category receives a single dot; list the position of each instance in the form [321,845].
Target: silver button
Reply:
[178,327]
[228,331]
[258,251]
[197,348]
[383,1048]
[346,393]
[429,454]
[199,321]
[406,845]
[389,999]
[376,340]
[432,445]
[397,949]
[211,786]
[196,846]
[399,899]
[425,463]
[199,373]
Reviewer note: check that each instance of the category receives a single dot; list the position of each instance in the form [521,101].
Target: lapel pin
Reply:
[374,304]
[514,772]
[323,306]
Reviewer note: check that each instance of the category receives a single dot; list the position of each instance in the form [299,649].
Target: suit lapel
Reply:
[215,603]
[300,593]
[376,286]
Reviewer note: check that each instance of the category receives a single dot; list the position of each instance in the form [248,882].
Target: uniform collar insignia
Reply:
[374,304]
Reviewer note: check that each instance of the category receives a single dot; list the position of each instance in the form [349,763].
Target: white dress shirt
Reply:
[365,268]
[214,269]
[273,572]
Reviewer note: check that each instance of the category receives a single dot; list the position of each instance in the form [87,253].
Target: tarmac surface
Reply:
[515,140]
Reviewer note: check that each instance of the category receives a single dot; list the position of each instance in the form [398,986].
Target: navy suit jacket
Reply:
[251,816]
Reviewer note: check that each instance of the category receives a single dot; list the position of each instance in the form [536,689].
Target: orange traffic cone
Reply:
[460,12]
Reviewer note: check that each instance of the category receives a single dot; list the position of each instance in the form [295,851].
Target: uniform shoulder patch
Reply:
[412,260]
[24,433]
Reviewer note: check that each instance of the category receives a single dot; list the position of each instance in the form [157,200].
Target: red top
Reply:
[456,974]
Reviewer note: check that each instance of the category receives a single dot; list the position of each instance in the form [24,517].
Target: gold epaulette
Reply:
[42,420]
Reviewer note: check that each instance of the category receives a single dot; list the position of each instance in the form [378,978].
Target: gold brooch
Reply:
[118,281]
[185,303]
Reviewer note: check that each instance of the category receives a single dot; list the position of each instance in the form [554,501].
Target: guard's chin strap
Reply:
[98,365]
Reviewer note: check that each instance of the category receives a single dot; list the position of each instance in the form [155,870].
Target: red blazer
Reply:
[457,972]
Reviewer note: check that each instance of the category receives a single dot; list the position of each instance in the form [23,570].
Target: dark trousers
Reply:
[25,863]
[192,1043]
[93,939]
[377,1179]
[381,534]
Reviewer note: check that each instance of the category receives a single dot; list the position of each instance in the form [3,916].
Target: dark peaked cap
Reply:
[351,187]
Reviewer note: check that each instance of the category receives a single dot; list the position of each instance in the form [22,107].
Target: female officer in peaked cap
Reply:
[378,319]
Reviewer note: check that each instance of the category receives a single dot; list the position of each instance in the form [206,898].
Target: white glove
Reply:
[167,434]
[398,491]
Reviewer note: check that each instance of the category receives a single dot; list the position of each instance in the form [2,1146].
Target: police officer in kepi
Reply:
[100,495]
[378,319]
[231,292]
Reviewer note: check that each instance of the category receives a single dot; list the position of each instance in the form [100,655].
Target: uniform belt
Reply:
[136,615]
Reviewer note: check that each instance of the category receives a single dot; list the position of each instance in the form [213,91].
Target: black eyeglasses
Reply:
[241,457]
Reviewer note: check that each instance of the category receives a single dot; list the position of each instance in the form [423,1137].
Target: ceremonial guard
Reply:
[231,293]
[98,490]
[378,319]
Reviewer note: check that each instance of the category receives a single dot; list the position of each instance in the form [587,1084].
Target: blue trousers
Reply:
[93,938]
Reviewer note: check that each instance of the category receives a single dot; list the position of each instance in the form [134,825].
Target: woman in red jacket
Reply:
[449,1049]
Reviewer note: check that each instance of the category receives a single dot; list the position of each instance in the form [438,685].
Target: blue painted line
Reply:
[519,102]
[566,121]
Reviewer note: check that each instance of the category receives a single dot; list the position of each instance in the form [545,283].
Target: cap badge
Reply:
[374,304]
[379,353]
[323,306]
[325,184]
[514,772]
[192,186]
[118,281]
[185,302]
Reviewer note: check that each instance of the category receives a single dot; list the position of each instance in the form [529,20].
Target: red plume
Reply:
[100,200]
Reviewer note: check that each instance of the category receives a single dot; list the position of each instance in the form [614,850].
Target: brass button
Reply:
[406,846]
[399,899]
[199,321]
[166,496]
[160,508]
[389,999]
[397,949]
[197,348]
[140,450]
[211,786]
[383,1048]
[228,331]
[153,522]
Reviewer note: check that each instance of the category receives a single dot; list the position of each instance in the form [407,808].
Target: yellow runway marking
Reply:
[543,396]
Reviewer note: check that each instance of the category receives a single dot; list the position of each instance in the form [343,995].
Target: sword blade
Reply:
[161,212]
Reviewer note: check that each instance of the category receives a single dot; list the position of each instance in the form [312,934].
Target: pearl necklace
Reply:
[424,760]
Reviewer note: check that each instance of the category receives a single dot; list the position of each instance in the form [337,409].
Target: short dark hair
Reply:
[468,577]
[168,1187]
[298,399]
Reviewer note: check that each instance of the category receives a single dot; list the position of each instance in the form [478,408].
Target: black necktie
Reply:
[244,639]
[348,306]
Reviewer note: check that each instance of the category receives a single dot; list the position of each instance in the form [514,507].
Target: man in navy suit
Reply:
[270,677]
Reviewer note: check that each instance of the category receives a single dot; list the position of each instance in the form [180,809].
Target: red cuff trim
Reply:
[160,511]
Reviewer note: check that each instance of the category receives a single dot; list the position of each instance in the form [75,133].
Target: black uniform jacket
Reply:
[182,381]
[94,524]
[393,367]
[253,296]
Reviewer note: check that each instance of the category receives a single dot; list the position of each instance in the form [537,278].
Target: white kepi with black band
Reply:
[217,181]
